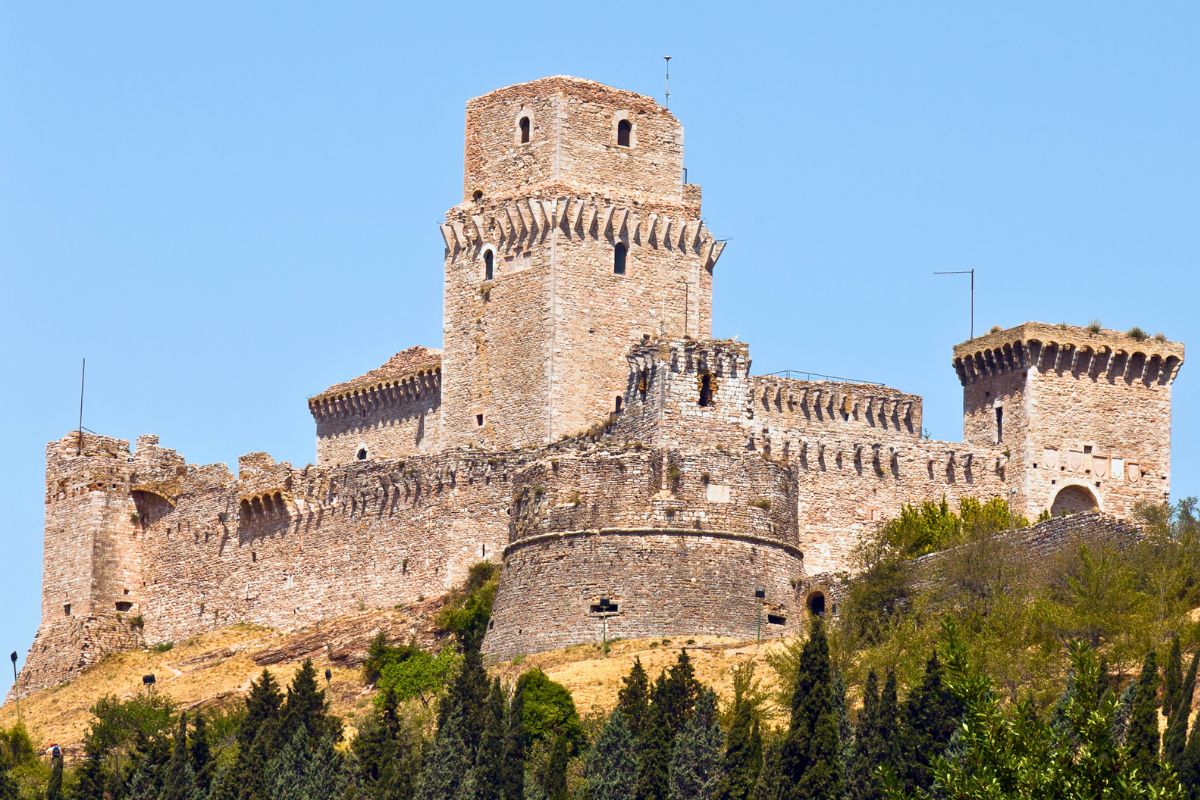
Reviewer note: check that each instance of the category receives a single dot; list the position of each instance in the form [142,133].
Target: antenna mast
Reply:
[82,377]
[667,103]
[970,272]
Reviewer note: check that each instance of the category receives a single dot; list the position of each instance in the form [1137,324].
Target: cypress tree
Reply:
[199,754]
[1172,677]
[634,698]
[489,759]
[54,786]
[178,783]
[512,766]
[931,715]
[1189,769]
[452,752]
[770,777]
[744,749]
[610,770]
[1175,740]
[696,759]
[305,706]
[374,746]
[1141,736]
[89,784]
[682,691]
[654,746]
[150,759]
[554,779]
[811,757]
[859,772]
[257,738]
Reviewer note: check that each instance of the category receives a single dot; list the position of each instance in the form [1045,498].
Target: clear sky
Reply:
[226,209]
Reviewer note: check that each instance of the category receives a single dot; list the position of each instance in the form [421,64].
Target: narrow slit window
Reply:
[618,404]
[999,424]
[524,126]
[66,609]
[489,265]
[624,133]
[620,252]
[479,420]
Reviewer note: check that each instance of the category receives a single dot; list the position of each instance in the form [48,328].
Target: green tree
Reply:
[655,745]
[305,706]
[744,747]
[460,720]
[1172,677]
[610,769]
[489,758]
[549,710]
[1141,736]
[512,766]
[199,754]
[696,758]
[54,790]
[151,756]
[257,739]
[770,778]
[304,770]
[89,779]
[179,782]
[931,715]
[811,760]
[553,780]
[468,609]
[634,698]
[1175,739]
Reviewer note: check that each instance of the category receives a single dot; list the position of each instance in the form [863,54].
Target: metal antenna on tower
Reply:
[82,377]
[970,272]
[667,104]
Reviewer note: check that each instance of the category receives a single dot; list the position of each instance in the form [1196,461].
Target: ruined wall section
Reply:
[1086,414]
[275,546]
[396,420]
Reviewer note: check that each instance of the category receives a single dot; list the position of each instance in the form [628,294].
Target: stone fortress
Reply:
[583,429]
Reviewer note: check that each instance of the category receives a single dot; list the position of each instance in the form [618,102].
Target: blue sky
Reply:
[226,209]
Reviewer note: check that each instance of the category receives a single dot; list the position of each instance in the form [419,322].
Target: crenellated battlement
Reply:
[1063,349]
[514,225]
[832,404]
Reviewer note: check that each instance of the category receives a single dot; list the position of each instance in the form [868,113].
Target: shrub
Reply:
[162,647]
[415,673]
[549,710]
[1137,333]
[761,502]
[1094,326]
[469,608]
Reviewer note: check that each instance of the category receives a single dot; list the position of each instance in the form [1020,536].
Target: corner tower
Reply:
[576,238]
[1082,415]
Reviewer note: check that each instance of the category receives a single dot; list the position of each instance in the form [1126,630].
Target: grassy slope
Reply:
[217,668]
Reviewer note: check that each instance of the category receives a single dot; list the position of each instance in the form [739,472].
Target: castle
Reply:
[583,429]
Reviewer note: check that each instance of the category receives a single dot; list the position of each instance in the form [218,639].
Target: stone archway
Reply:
[1073,499]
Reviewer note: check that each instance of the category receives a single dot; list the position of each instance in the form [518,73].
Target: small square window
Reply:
[479,420]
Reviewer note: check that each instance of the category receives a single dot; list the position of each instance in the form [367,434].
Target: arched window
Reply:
[619,253]
[706,389]
[1073,500]
[524,125]
[477,195]
[624,132]
[816,604]
[361,454]
[489,265]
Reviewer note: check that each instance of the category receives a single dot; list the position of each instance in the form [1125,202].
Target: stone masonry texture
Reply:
[581,428]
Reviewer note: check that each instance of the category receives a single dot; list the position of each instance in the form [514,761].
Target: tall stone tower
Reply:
[576,238]
[1083,416]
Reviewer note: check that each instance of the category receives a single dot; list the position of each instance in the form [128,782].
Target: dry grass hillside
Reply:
[217,668]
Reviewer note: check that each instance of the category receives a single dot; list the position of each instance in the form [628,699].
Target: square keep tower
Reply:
[576,238]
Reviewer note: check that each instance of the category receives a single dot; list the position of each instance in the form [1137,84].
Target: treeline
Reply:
[844,717]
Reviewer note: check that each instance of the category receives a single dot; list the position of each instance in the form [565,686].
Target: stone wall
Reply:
[833,406]
[386,422]
[663,584]
[572,143]
[1085,410]
[275,546]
